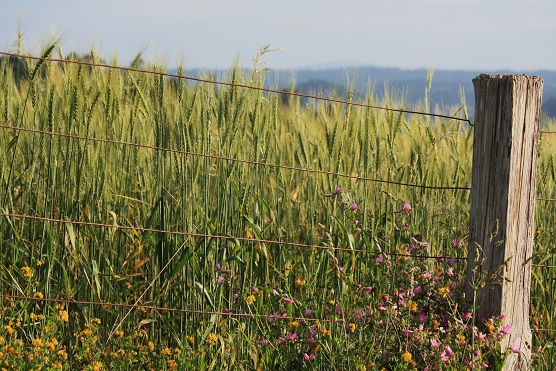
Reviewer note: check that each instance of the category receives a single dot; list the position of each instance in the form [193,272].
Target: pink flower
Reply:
[368,288]
[507,329]
[380,259]
[502,315]
[435,343]
[339,190]
[308,312]
[406,207]
[275,293]
[308,358]
[220,280]
[292,337]
[264,342]
[288,301]
[354,206]
[515,348]
[422,317]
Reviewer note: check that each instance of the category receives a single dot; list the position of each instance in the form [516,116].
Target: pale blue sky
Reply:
[443,34]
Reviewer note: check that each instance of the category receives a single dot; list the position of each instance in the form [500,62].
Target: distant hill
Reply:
[445,88]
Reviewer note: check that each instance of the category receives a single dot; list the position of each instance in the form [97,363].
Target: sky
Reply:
[486,35]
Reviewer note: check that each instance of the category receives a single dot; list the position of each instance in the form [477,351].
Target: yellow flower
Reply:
[443,292]
[37,342]
[212,338]
[150,344]
[97,366]
[27,272]
[64,315]
[119,333]
[172,364]
[51,345]
[9,329]
[299,282]
[294,324]
[412,306]
[325,332]
[490,327]
[166,352]
[250,299]
[38,295]
[407,356]
[352,327]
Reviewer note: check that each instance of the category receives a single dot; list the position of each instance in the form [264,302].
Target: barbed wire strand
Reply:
[231,159]
[162,309]
[203,235]
[268,90]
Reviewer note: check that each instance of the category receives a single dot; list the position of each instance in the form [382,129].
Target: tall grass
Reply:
[248,220]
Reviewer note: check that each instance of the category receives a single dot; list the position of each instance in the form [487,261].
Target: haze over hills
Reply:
[446,88]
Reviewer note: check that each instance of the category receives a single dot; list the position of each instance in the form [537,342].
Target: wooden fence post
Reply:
[503,194]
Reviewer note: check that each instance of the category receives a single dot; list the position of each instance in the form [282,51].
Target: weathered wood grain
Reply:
[503,192]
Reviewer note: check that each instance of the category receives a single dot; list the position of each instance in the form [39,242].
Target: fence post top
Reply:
[514,77]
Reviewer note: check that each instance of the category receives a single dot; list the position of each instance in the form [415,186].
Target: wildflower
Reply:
[339,190]
[275,293]
[217,266]
[27,272]
[515,348]
[299,282]
[37,342]
[490,327]
[288,301]
[51,345]
[435,343]
[308,312]
[325,332]
[219,280]
[328,195]
[292,336]
[64,315]
[250,299]
[407,356]
[308,358]
[150,344]
[38,295]
[447,353]
[167,352]
[294,324]
[264,342]
[351,326]
[507,329]
[502,315]
[172,364]
[443,292]
[212,338]
[119,333]
[406,207]
[354,206]
[368,288]
[422,317]
[380,258]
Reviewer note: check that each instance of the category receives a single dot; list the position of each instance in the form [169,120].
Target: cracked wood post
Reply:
[503,194]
